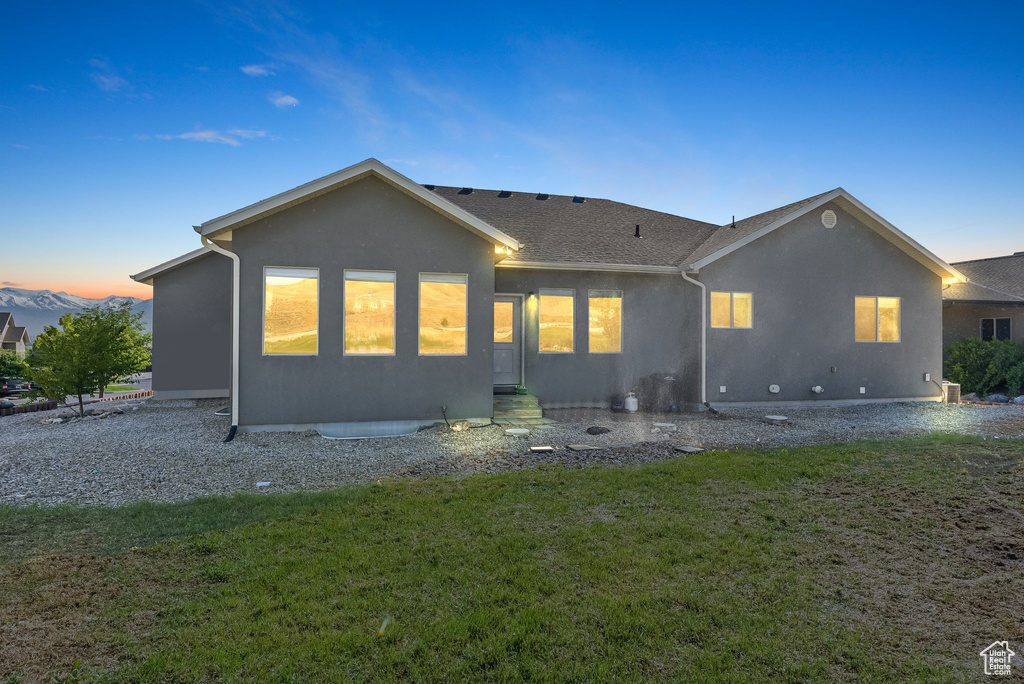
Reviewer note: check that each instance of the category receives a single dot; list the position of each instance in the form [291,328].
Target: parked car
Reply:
[9,386]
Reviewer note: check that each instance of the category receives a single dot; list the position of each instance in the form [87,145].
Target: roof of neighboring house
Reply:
[995,279]
[5,318]
[15,333]
[563,229]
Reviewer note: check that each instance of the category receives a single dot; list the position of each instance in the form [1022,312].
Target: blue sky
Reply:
[123,125]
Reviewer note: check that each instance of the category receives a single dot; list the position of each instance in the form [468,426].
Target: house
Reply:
[362,300]
[991,305]
[13,337]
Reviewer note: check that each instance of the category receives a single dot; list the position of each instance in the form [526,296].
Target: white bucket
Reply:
[631,403]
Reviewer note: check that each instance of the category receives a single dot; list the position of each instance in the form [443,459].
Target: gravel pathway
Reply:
[171,450]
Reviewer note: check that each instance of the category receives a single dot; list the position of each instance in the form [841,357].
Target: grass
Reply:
[120,388]
[873,561]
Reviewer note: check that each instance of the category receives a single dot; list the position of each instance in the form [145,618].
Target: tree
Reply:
[12,365]
[90,350]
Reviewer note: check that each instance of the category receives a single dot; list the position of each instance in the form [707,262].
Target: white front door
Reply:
[508,363]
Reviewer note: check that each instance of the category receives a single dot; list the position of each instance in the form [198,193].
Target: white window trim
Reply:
[457,278]
[732,311]
[263,314]
[603,294]
[344,322]
[557,292]
[899,321]
[981,322]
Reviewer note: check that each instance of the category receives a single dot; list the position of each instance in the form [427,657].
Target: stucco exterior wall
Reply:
[192,329]
[367,225]
[963,319]
[661,334]
[804,279]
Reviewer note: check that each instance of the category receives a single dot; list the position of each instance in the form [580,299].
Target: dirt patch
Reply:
[934,572]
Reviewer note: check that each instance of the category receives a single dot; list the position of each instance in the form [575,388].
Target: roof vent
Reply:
[466,191]
[828,218]
[637,233]
[543,196]
[578,200]
[504,193]
[430,187]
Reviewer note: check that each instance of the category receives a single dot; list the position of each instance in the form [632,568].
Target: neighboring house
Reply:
[364,298]
[990,305]
[12,336]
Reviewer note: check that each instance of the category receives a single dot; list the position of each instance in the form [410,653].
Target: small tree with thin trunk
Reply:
[89,350]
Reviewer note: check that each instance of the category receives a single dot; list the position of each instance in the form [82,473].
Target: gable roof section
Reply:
[148,275]
[728,239]
[560,231]
[16,333]
[995,279]
[5,319]
[320,186]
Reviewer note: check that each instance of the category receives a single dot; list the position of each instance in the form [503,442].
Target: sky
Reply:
[123,125]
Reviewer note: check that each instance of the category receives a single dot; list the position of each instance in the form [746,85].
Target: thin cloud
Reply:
[230,137]
[257,70]
[281,100]
[106,78]
[8,283]
[40,88]
[19,146]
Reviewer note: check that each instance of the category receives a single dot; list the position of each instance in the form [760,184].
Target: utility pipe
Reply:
[703,339]
[235,268]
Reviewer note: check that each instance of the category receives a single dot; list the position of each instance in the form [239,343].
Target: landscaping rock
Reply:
[583,447]
[1019,400]
[971,396]
[597,430]
[776,420]
[997,398]
[688,449]
[460,426]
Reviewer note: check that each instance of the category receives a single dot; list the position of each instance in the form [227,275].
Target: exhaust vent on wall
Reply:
[828,218]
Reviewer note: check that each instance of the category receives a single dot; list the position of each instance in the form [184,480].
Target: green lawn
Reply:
[891,561]
[120,388]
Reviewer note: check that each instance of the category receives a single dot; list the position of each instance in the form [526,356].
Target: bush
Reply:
[986,366]
[966,362]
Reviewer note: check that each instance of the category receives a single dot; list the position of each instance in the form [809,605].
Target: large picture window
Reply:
[732,310]
[443,313]
[605,321]
[290,311]
[369,312]
[555,321]
[877,319]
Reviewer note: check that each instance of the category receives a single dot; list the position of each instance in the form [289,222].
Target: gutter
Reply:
[703,339]
[235,268]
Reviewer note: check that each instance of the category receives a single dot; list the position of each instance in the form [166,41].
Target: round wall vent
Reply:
[828,218]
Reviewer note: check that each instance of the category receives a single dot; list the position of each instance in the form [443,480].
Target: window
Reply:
[369,312]
[443,307]
[732,310]
[995,329]
[290,310]
[503,323]
[605,321]
[877,319]
[555,321]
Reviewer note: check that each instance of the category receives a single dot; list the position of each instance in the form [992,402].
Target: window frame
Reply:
[615,294]
[344,306]
[419,310]
[732,310]
[899,319]
[995,329]
[557,292]
[263,314]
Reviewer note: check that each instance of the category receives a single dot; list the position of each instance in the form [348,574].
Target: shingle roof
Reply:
[601,231]
[15,333]
[995,279]
[4,318]
[728,234]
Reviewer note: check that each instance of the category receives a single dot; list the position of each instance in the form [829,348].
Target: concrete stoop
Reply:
[512,409]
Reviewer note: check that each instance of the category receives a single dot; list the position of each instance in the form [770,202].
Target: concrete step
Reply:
[517,406]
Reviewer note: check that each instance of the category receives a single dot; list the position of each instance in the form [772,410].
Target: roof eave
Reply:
[588,266]
[146,277]
[320,186]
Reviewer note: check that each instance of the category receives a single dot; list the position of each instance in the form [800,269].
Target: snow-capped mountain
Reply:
[35,309]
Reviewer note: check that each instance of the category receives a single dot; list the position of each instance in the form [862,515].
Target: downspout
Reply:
[235,268]
[703,339]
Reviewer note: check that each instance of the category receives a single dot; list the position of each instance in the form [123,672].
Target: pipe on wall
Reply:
[235,269]
[703,338]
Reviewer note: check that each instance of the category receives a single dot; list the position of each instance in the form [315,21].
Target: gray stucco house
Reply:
[363,298]
[12,337]
[989,306]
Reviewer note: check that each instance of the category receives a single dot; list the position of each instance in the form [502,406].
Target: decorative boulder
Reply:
[997,398]
[597,430]
[972,396]
[1019,400]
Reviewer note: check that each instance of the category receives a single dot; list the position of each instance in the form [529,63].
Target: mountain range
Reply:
[35,309]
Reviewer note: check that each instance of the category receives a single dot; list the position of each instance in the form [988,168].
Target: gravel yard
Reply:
[170,450]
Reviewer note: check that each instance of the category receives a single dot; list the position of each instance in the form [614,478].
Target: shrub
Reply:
[1006,370]
[966,362]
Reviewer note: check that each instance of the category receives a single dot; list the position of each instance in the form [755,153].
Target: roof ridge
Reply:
[782,206]
[994,258]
